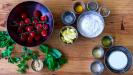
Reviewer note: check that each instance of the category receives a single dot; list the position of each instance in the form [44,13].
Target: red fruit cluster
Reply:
[34,28]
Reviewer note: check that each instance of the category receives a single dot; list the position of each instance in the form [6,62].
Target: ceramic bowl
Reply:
[28,7]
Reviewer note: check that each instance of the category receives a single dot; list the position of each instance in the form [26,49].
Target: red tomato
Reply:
[38,37]
[30,39]
[27,21]
[43,18]
[44,33]
[45,26]
[37,13]
[21,23]
[23,16]
[20,30]
[29,28]
[32,34]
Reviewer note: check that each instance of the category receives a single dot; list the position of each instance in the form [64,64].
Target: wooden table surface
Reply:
[119,24]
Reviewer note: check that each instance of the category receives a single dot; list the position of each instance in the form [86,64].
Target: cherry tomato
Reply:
[29,28]
[21,23]
[37,13]
[23,16]
[38,37]
[32,34]
[24,36]
[39,27]
[30,39]
[35,21]
[43,18]
[44,33]
[27,20]
[45,26]
[22,39]
[20,30]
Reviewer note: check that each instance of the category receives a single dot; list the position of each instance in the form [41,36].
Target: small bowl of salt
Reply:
[97,67]
[68,17]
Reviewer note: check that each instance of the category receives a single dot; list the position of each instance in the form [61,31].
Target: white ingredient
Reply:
[90,25]
[96,68]
[38,65]
[98,53]
[118,60]
[68,19]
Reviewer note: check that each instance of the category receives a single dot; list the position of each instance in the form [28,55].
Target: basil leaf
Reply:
[44,48]
[50,61]
[13,59]
[7,52]
[62,60]
[56,53]
[22,66]
[28,51]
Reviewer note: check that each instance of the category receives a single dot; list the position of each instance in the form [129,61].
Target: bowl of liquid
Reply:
[118,59]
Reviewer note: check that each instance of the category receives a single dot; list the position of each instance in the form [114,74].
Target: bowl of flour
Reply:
[90,24]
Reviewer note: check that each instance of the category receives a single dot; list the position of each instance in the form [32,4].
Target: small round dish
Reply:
[90,24]
[68,35]
[118,59]
[107,41]
[98,52]
[30,23]
[78,7]
[37,65]
[68,17]
[97,67]
[93,6]
[105,12]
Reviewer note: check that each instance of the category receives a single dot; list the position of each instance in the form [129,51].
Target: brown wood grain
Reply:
[119,24]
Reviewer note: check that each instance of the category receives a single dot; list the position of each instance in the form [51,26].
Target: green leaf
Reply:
[44,48]
[50,62]
[7,52]
[62,60]
[28,51]
[57,66]
[22,66]
[56,53]
[35,55]
[21,71]
[26,57]
[2,44]
[13,59]
[5,39]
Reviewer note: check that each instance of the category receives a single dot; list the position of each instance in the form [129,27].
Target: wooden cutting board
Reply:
[119,24]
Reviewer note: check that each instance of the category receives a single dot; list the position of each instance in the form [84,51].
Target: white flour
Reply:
[91,24]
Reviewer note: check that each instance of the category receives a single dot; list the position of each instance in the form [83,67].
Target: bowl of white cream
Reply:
[118,59]
[90,24]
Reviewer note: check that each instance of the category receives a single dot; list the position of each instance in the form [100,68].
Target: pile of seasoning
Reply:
[68,17]
[97,67]
[107,41]
[98,52]
[78,7]
[93,5]
[37,65]
[68,34]
[104,11]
